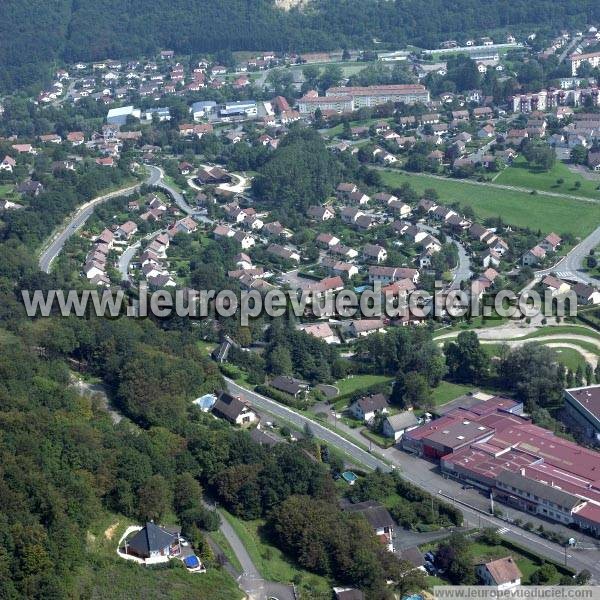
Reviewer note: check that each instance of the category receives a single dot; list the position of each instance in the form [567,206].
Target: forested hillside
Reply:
[35,35]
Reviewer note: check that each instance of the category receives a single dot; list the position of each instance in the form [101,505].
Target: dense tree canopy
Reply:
[35,36]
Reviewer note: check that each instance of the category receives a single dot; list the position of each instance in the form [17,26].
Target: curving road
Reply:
[83,213]
[154,179]
[569,267]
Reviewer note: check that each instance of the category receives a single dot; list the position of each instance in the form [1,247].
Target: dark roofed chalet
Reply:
[152,540]
[375,513]
[289,385]
[233,409]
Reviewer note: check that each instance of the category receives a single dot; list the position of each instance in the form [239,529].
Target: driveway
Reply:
[250,580]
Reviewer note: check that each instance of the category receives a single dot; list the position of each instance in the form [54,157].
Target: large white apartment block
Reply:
[578,59]
[342,99]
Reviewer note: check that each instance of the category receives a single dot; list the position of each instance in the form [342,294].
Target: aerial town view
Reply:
[300,299]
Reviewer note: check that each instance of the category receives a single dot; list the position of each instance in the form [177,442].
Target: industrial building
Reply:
[491,446]
[582,405]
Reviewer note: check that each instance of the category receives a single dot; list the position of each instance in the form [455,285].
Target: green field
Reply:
[105,575]
[516,208]
[447,391]
[519,174]
[356,383]
[569,357]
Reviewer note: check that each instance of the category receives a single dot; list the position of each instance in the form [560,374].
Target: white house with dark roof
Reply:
[365,408]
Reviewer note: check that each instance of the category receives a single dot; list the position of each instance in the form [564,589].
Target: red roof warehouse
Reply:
[486,444]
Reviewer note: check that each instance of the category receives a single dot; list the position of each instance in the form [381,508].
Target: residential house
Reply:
[30,188]
[394,426]
[153,544]
[344,251]
[593,160]
[346,593]
[8,163]
[387,275]
[400,208]
[366,408]
[234,410]
[478,232]
[379,518]
[586,294]
[551,242]
[358,198]
[374,252]
[487,131]
[344,268]
[323,332]
[321,213]
[126,230]
[245,240]
[349,214]
[384,197]
[533,256]
[364,222]
[223,231]
[275,229]
[364,327]
[327,240]
[502,573]
[283,253]
[289,385]
[343,190]
[490,258]
[555,286]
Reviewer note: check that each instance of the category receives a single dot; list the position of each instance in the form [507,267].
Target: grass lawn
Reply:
[105,575]
[206,347]
[480,552]
[516,208]
[222,542]
[570,358]
[6,189]
[376,438]
[269,560]
[564,330]
[356,383]
[519,174]
[567,356]
[447,391]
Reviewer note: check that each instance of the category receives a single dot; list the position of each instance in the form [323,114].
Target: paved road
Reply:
[569,267]
[425,475]
[178,198]
[155,179]
[462,272]
[125,259]
[80,217]
[283,412]
[566,51]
